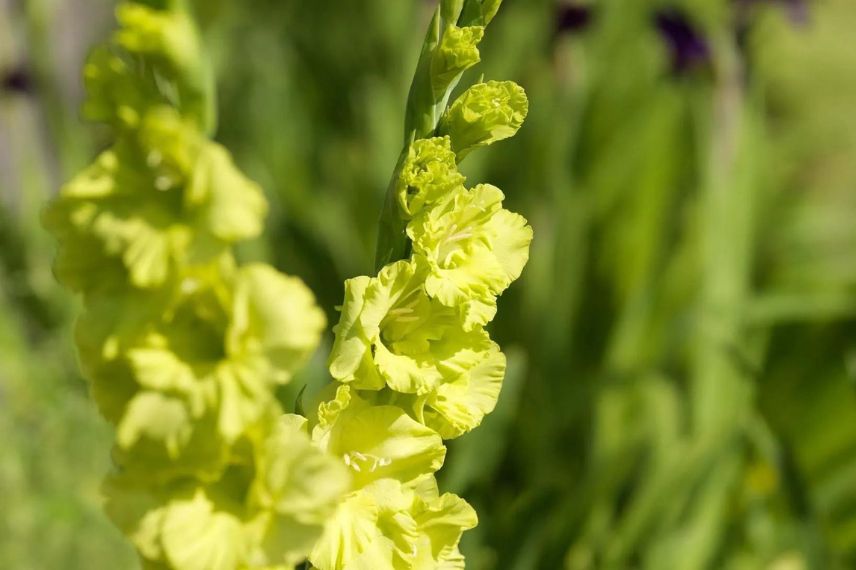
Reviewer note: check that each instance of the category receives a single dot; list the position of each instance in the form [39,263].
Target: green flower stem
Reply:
[392,241]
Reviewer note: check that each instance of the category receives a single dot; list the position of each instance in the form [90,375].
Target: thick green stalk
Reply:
[721,386]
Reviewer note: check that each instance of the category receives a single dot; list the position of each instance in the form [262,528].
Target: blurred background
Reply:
[682,345]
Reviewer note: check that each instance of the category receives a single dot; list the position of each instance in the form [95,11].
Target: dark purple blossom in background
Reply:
[572,18]
[687,46]
[16,80]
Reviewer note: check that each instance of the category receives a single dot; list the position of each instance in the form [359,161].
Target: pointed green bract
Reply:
[489,9]
[486,113]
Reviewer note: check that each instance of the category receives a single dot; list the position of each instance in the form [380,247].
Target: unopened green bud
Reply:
[484,114]
[428,174]
[168,41]
[457,52]
[170,36]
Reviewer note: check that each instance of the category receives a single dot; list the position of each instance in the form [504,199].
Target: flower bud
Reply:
[457,52]
[484,114]
[428,174]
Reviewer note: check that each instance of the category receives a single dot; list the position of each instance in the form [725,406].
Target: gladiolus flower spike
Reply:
[412,359]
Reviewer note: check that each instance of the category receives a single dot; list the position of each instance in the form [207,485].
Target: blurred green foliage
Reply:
[681,347]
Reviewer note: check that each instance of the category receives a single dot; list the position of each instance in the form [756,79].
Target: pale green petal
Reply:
[231,206]
[295,477]
[404,337]
[329,411]
[299,486]
[158,417]
[352,539]
[510,239]
[244,398]
[484,114]
[458,405]
[403,373]
[351,347]
[377,442]
[395,519]
[197,536]
[372,530]
[153,203]
[442,522]
[105,231]
[158,439]
[274,316]
[161,369]
[386,525]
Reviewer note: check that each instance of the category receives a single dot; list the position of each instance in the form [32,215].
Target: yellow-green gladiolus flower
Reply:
[376,442]
[472,250]
[160,199]
[294,488]
[184,375]
[391,333]
[390,526]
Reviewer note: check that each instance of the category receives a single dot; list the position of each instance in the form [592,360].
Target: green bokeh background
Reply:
[682,345]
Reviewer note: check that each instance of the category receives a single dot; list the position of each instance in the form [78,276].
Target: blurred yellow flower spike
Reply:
[184,347]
